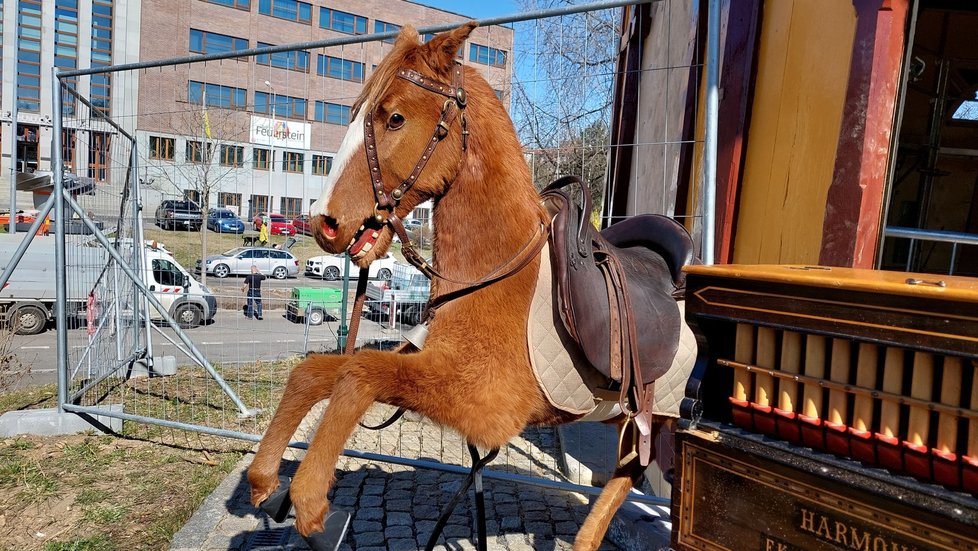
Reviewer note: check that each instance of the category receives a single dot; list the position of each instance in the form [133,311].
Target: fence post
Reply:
[60,277]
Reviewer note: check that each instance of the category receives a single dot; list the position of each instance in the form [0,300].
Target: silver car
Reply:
[238,261]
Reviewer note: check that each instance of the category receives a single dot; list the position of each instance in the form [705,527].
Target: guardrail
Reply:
[915,235]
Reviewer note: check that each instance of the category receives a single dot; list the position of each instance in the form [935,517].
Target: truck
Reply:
[401,298]
[28,300]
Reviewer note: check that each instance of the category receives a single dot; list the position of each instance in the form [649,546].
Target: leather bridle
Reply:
[386,203]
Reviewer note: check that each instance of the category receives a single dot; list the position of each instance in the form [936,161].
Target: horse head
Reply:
[405,145]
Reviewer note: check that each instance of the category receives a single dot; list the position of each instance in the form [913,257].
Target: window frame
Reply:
[333,23]
[292,162]
[165,153]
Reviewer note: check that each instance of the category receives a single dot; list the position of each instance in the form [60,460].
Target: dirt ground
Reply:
[94,492]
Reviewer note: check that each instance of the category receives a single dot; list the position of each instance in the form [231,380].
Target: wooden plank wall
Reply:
[800,88]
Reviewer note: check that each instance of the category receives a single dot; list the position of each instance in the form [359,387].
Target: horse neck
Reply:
[487,216]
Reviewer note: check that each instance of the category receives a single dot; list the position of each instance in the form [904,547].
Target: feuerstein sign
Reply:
[280,133]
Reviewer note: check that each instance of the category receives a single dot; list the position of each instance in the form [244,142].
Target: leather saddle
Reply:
[617,289]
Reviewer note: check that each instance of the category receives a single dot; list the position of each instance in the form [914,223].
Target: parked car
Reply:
[173,214]
[238,261]
[280,225]
[413,224]
[302,225]
[330,267]
[224,221]
[321,303]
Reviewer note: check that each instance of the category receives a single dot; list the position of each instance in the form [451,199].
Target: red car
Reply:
[280,225]
[302,225]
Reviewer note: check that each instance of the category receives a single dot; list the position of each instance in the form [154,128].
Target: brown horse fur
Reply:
[474,373]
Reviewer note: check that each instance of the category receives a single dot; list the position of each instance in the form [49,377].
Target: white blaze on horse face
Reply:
[351,144]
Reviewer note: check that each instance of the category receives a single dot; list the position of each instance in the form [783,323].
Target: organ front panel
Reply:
[830,408]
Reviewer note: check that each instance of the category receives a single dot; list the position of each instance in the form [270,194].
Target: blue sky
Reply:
[477,9]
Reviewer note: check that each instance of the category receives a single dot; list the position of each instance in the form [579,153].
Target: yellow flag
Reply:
[207,125]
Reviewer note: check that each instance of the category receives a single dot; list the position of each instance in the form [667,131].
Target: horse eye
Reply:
[396,121]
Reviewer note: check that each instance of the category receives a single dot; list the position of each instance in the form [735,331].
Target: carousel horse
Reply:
[508,265]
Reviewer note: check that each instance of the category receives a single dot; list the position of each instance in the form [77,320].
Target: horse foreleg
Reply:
[351,399]
[596,524]
[309,382]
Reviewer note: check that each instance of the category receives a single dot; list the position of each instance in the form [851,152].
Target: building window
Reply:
[256,204]
[284,106]
[293,60]
[98,156]
[191,195]
[286,9]
[333,113]
[198,152]
[217,95]
[240,4]
[28,94]
[203,42]
[68,148]
[321,164]
[232,155]
[260,159]
[343,69]
[66,48]
[292,162]
[486,55]
[161,148]
[385,27]
[101,84]
[342,22]
[290,206]
[225,199]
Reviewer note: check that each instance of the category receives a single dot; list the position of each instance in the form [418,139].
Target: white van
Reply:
[29,297]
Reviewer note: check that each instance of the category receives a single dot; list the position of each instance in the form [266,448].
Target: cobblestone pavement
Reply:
[395,508]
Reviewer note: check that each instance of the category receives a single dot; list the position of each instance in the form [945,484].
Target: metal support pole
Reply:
[344,329]
[13,126]
[710,138]
[138,238]
[61,278]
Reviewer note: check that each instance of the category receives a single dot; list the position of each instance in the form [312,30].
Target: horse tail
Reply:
[592,533]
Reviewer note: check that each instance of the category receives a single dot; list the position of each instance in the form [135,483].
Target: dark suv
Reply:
[173,214]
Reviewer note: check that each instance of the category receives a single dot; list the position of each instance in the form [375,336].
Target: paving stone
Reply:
[398,504]
[511,523]
[401,531]
[371,501]
[457,531]
[540,528]
[368,539]
[399,519]
[369,513]
[402,544]
[360,526]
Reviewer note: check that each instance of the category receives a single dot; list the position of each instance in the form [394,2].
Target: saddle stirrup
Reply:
[475,476]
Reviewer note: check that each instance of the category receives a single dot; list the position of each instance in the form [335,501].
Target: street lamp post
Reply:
[271,147]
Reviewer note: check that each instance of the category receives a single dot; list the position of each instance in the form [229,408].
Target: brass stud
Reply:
[379,218]
[396,194]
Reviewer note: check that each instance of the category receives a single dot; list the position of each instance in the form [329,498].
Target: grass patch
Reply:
[93,543]
[94,492]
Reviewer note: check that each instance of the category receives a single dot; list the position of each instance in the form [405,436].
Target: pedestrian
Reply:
[252,286]
[263,232]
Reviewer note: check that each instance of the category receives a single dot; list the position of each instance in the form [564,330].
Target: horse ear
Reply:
[443,48]
[408,36]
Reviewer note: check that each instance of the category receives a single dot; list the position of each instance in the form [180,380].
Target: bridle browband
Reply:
[386,203]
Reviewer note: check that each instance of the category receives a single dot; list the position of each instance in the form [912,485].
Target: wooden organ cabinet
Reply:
[830,408]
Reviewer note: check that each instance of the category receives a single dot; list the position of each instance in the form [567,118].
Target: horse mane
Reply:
[376,85]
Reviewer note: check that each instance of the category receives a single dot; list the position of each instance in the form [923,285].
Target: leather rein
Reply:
[386,203]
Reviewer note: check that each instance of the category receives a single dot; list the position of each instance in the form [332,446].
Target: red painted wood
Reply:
[853,209]
[742,23]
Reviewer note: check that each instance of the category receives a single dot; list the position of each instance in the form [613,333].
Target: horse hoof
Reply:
[279,503]
[334,528]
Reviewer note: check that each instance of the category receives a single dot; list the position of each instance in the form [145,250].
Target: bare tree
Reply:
[213,158]
[562,93]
